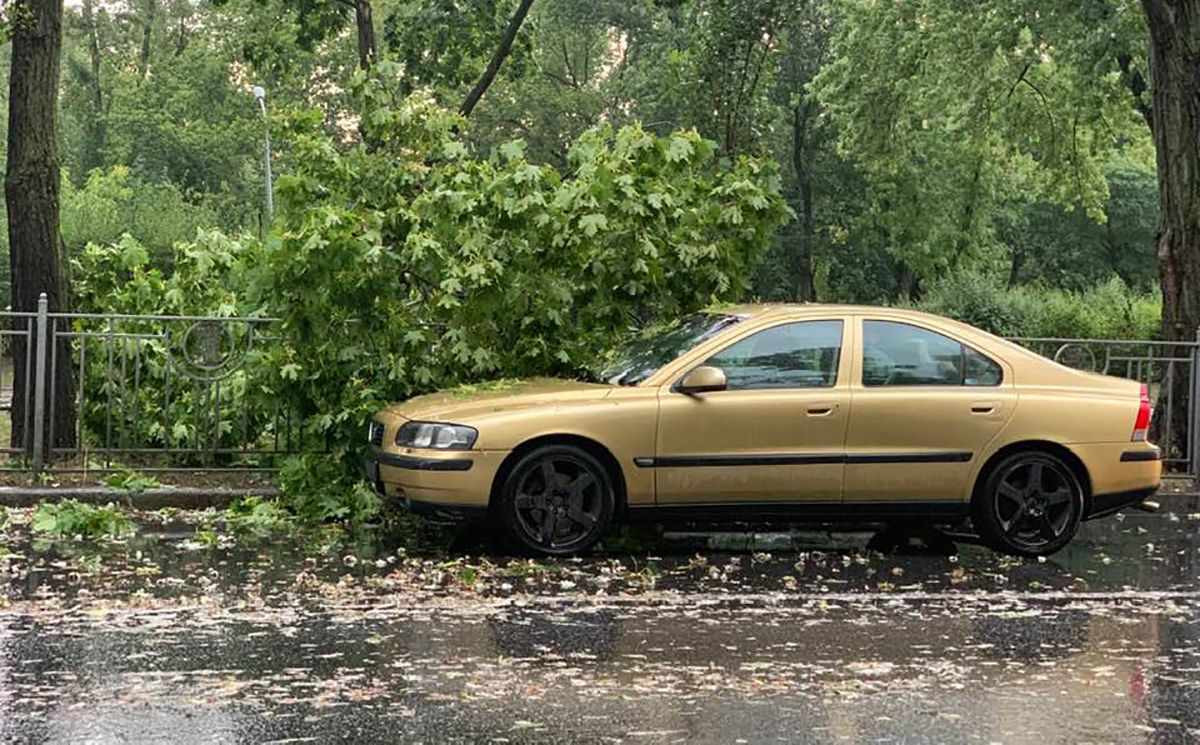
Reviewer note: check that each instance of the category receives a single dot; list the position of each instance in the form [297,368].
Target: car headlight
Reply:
[436,436]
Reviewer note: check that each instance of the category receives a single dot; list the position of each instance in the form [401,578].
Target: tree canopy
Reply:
[612,162]
[913,138]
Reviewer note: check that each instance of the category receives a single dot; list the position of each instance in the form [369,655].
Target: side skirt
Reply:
[734,512]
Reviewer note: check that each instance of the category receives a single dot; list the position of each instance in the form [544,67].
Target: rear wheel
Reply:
[557,500]
[1030,504]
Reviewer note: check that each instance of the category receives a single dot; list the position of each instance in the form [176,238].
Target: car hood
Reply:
[463,404]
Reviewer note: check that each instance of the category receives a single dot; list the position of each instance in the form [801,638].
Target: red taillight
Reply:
[1141,427]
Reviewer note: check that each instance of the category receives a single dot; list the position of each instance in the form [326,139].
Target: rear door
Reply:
[926,406]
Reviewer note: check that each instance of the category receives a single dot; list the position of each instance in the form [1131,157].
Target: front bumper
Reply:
[449,485]
[421,463]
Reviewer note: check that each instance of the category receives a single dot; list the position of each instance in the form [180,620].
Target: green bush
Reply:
[1107,311]
[112,203]
[209,275]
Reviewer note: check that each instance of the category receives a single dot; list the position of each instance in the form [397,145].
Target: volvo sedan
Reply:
[794,413]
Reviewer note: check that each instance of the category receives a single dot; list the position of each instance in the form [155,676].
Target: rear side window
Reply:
[980,370]
[791,355]
[900,354]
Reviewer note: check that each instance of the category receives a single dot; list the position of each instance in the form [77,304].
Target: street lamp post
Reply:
[260,94]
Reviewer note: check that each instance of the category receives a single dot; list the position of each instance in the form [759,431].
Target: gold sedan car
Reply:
[795,412]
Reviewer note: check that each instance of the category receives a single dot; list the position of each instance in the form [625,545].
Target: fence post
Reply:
[39,385]
[1194,414]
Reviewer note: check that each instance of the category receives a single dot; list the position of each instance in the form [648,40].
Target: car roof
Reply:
[754,310]
[749,311]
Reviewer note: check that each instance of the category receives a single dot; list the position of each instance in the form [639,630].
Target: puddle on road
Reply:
[334,637]
[164,561]
[937,670]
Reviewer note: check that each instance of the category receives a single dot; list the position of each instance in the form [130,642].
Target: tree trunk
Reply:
[181,41]
[31,190]
[1014,270]
[147,37]
[1175,121]
[489,74]
[908,284]
[802,260]
[94,155]
[806,290]
[364,22]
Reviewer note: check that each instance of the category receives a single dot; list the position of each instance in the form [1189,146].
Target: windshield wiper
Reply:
[587,375]
[630,378]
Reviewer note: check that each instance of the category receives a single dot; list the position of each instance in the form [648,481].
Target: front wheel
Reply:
[1030,505]
[557,500]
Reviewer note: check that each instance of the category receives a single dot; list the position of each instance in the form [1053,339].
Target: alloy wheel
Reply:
[559,502]
[1035,503]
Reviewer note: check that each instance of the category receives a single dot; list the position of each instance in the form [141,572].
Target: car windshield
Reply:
[656,346]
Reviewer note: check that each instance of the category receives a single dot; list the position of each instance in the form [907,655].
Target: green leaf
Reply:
[514,150]
[592,224]
[679,149]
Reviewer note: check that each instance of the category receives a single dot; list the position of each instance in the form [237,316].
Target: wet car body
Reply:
[791,412]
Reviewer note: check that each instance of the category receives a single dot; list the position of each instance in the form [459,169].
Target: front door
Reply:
[776,434]
[926,406]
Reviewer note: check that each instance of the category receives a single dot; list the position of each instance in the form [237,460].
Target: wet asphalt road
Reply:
[167,640]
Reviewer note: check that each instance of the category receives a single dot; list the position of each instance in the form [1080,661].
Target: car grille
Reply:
[376,433]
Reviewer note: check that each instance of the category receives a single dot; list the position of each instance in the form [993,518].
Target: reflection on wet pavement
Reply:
[1099,644]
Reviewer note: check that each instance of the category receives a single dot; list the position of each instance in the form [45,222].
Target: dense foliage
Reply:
[1106,311]
[411,263]
[133,389]
[957,111]
[113,203]
[913,138]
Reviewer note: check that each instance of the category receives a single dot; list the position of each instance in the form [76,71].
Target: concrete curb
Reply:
[184,497]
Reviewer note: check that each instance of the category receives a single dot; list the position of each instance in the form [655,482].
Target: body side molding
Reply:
[799,459]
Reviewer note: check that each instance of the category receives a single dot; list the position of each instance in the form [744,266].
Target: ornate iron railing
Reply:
[151,392]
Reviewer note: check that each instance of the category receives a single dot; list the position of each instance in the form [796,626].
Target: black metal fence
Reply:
[149,392]
[192,392]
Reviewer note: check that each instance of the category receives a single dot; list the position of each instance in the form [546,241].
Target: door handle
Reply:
[821,409]
[984,407]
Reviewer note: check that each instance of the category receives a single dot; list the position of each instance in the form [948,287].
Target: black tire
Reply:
[556,501]
[1030,504]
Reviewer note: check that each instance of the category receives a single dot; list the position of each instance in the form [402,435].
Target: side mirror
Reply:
[703,379]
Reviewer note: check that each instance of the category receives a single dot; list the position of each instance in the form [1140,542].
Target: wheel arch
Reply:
[591,446]
[1068,456]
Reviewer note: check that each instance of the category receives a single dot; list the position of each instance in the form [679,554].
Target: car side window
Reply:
[897,353]
[979,370]
[804,354]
